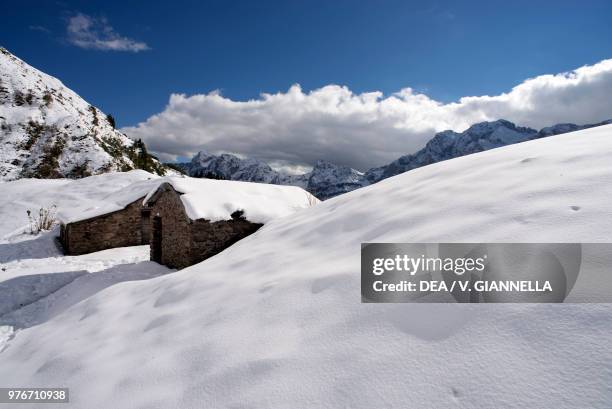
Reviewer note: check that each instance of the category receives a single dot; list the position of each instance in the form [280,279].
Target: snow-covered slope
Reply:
[48,131]
[275,321]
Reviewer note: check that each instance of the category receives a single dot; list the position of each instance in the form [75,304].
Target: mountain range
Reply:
[327,180]
[48,131]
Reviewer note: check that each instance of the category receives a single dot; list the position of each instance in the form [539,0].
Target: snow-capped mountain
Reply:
[327,180]
[449,144]
[230,167]
[565,128]
[477,138]
[48,131]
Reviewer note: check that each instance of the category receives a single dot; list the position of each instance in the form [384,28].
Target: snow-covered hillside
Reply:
[48,131]
[275,321]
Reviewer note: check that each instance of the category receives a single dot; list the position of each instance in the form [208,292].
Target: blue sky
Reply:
[243,48]
[444,49]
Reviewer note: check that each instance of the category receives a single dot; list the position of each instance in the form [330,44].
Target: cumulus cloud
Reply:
[96,33]
[362,130]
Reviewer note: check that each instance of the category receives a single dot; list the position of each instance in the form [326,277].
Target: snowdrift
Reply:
[275,321]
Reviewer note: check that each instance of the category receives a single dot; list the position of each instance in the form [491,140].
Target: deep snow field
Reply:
[276,321]
[36,281]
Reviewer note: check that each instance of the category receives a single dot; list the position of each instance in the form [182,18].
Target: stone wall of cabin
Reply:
[185,242]
[117,229]
[175,245]
[209,238]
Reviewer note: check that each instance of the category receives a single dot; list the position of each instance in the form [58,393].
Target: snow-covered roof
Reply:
[115,201]
[214,200]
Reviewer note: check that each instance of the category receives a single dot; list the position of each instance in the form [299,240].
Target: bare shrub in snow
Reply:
[44,220]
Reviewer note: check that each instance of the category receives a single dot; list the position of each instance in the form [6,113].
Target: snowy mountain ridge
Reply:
[477,138]
[48,131]
[327,180]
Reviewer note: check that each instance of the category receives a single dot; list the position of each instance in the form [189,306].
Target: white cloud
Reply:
[362,130]
[96,33]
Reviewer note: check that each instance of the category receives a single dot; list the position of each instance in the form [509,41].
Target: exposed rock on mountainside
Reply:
[230,167]
[324,181]
[48,131]
[565,128]
[328,180]
[449,144]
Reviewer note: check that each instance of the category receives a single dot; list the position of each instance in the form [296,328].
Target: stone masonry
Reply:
[117,229]
[175,232]
[185,242]
[176,240]
[208,239]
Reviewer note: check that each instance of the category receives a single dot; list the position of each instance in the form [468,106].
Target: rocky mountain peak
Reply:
[450,144]
[325,180]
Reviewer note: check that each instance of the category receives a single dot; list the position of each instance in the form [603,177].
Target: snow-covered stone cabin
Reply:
[118,220]
[185,220]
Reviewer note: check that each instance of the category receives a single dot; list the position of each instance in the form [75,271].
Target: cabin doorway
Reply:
[156,240]
[145,226]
